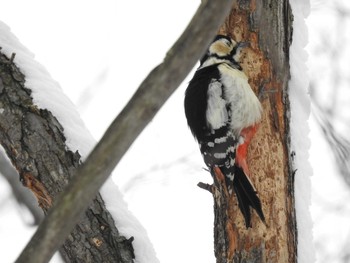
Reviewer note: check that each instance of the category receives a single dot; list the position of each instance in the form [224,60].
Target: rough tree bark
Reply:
[267,25]
[23,196]
[35,143]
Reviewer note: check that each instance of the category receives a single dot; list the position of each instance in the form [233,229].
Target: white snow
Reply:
[127,223]
[300,142]
[47,94]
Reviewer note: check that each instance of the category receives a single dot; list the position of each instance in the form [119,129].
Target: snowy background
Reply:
[99,53]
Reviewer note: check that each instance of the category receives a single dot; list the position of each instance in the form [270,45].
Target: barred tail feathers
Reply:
[226,158]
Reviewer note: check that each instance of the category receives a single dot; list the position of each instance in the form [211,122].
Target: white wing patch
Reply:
[246,109]
[217,115]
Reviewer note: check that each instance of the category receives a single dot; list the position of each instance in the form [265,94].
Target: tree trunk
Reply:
[34,141]
[267,25]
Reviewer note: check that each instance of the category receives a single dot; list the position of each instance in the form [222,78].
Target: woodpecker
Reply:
[223,114]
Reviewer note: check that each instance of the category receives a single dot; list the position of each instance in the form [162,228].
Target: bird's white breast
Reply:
[245,107]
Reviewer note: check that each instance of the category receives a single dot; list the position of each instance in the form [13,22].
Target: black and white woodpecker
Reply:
[223,113]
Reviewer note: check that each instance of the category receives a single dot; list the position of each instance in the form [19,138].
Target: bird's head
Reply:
[223,49]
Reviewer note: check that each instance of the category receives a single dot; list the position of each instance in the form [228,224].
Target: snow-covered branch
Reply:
[148,99]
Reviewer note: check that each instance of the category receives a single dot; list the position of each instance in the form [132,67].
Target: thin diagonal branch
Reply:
[140,110]
[339,145]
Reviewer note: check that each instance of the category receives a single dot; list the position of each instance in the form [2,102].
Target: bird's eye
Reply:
[227,43]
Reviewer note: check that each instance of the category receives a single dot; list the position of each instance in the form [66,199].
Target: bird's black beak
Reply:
[243,44]
[236,52]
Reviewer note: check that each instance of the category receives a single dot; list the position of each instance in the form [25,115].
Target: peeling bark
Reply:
[22,195]
[34,141]
[267,25]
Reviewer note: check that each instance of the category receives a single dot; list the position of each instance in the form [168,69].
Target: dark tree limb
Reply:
[29,146]
[22,195]
[35,143]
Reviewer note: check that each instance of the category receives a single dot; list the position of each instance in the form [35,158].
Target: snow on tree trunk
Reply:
[267,25]
[35,143]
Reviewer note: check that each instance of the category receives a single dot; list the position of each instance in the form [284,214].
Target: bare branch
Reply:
[204,186]
[140,110]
